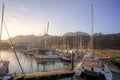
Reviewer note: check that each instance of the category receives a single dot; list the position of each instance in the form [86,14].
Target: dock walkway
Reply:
[47,74]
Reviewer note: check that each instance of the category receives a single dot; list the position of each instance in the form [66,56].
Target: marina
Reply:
[74,55]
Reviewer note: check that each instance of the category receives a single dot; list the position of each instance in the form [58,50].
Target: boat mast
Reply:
[91,38]
[1,27]
[46,36]
[44,39]
[2,22]
[47,46]
[47,28]
[81,42]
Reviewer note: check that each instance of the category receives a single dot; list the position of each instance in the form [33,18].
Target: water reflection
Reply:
[49,64]
[29,63]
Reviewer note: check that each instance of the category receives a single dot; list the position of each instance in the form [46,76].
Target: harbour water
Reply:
[30,64]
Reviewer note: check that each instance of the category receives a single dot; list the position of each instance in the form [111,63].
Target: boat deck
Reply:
[3,67]
[92,63]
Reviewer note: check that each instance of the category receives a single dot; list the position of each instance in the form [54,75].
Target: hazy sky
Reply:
[31,16]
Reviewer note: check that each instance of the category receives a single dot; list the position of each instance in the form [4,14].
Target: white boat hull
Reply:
[94,71]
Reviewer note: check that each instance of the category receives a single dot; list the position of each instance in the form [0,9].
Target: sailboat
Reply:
[46,53]
[4,64]
[93,68]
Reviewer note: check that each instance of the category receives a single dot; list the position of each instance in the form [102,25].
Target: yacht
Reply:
[92,67]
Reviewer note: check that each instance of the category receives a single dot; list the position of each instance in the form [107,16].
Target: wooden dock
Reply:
[67,71]
[32,75]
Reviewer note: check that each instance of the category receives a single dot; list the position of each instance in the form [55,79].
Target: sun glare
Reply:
[11,31]
[4,34]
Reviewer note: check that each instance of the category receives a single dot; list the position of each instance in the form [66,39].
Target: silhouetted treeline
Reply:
[68,42]
[108,41]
